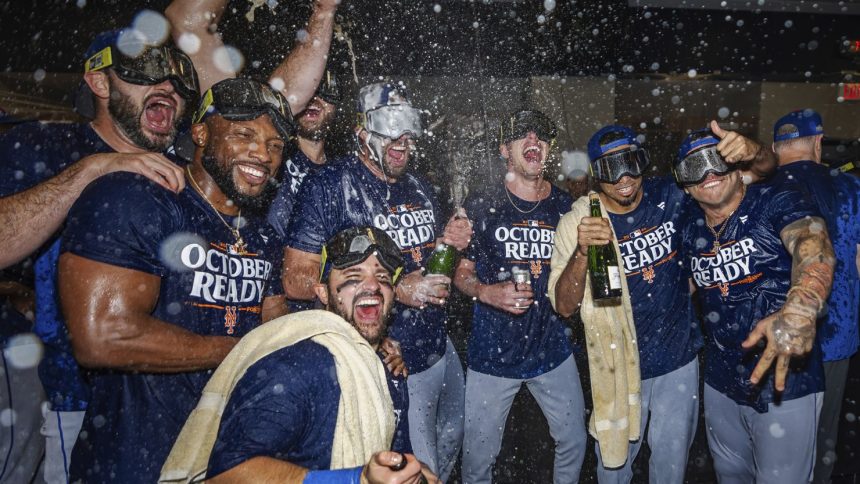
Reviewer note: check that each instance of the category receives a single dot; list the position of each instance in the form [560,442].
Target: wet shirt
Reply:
[207,286]
[30,154]
[348,194]
[746,280]
[836,195]
[509,239]
[285,407]
[293,172]
[667,332]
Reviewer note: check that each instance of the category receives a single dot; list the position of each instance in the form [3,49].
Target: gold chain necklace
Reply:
[718,234]
[240,242]
[508,193]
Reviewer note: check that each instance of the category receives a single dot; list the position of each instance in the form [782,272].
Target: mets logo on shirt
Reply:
[731,265]
[225,279]
[646,248]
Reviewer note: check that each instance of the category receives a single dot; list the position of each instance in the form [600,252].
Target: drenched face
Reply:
[717,190]
[147,115]
[316,120]
[526,156]
[243,157]
[362,295]
[395,153]
[625,191]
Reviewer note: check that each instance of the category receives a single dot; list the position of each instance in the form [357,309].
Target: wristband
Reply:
[340,476]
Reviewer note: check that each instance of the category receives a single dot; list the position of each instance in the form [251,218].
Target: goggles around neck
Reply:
[612,167]
[153,66]
[353,246]
[696,166]
[393,121]
[245,100]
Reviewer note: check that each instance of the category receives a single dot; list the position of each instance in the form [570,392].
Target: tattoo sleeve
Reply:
[812,266]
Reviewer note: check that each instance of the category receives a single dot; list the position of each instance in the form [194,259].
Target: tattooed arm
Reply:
[791,330]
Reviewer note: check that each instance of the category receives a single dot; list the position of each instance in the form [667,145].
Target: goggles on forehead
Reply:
[521,123]
[612,167]
[393,121]
[694,168]
[353,246]
[245,100]
[153,66]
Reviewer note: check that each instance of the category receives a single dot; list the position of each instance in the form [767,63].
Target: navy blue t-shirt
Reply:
[207,287]
[293,172]
[295,168]
[347,194]
[285,407]
[836,196]
[745,281]
[30,154]
[667,331]
[506,239]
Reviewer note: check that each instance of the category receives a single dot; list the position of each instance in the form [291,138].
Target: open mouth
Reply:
[368,308]
[254,174]
[312,112]
[625,190]
[532,154]
[397,155]
[711,182]
[159,113]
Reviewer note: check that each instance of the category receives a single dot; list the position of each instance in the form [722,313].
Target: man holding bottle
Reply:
[375,187]
[653,319]
[516,337]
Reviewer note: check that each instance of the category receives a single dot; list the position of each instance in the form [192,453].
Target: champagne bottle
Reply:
[443,260]
[603,266]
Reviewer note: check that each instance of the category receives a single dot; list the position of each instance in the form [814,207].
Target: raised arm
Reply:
[195,30]
[29,218]
[756,161]
[301,72]
[108,312]
[791,330]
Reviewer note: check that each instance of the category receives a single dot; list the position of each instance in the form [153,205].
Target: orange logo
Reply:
[648,274]
[724,289]
[536,268]
[416,254]
[230,319]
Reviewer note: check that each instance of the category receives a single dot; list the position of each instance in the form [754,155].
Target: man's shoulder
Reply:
[129,193]
[306,361]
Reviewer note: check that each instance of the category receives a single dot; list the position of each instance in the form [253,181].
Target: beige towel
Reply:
[613,357]
[365,418]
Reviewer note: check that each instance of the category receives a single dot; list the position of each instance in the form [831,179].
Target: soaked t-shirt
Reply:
[30,154]
[836,195]
[295,168]
[667,332]
[208,286]
[347,195]
[744,281]
[285,407]
[515,235]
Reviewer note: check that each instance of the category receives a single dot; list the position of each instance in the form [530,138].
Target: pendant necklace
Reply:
[719,233]
[239,245]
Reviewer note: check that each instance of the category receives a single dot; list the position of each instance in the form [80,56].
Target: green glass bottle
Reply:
[443,260]
[603,268]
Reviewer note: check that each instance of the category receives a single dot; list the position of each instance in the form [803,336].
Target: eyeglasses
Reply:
[245,100]
[612,167]
[354,245]
[521,123]
[153,66]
